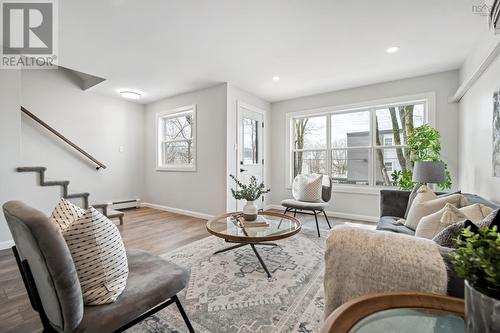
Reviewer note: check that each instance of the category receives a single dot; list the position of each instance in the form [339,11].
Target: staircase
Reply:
[110,213]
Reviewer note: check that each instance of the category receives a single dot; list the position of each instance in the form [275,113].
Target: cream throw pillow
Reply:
[476,212]
[97,250]
[430,225]
[307,187]
[66,213]
[427,202]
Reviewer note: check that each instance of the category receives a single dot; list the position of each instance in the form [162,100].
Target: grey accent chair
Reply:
[311,208]
[51,280]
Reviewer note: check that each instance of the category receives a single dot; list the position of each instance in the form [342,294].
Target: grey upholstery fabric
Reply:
[292,203]
[389,223]
[393,202]
[151,281]
[39,242]
[326,193]
[474,198]
[455,283]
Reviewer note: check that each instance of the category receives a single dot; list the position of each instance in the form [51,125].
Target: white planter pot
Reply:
[250,211]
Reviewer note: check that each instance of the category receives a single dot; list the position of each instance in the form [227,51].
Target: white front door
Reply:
[250,147]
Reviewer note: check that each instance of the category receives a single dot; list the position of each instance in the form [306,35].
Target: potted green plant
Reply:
[250,193]
[477,261]
[424,144]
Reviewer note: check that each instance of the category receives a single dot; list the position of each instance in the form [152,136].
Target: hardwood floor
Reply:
[148,229]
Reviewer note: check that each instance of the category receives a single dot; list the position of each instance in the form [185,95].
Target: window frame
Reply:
[170,114]
[427,99]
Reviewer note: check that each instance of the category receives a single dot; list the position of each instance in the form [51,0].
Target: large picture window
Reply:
[362,146]
[176,149]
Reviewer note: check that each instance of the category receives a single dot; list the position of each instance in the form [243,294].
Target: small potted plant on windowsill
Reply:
[477,261]
[250,193]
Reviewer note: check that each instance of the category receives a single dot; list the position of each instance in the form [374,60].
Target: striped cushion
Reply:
[99,255]
[66,213]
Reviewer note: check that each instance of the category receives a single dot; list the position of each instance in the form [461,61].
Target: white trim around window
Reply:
[160,141]
[428,99]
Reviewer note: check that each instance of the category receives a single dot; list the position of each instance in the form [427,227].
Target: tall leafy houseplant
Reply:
[424,144]
[477,260]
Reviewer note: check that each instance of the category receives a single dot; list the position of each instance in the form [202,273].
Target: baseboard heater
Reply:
[125,204]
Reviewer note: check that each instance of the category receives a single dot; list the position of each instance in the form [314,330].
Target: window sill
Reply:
[160,169]
[367,190]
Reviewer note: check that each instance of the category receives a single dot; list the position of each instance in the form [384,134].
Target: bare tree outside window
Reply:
[176,140]
[365,146]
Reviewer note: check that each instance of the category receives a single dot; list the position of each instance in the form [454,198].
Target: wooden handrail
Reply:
[62,137]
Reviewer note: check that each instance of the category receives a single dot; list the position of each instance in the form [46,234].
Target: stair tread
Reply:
[114,213]
[31,169]
[55,183]
[77,195]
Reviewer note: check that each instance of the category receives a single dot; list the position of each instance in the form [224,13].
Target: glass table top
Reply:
[410,321]
[229,227]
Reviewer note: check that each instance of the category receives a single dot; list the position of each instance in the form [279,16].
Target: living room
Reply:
[150,121]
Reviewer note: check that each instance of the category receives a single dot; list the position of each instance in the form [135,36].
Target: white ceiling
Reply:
[167,47]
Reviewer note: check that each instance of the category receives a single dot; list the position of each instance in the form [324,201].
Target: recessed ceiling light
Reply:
[392,49]
[130,94]
[276,78]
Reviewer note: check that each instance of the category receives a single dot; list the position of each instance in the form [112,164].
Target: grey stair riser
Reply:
[63,183]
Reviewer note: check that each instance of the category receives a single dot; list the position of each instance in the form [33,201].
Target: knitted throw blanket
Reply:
[360,261]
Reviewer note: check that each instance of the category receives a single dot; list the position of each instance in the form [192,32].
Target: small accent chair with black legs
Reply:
[311,208]
[51,280]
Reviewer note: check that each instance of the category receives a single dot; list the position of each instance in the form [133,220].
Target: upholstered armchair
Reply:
[51,280]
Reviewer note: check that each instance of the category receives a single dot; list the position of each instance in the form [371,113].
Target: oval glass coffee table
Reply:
[236,230]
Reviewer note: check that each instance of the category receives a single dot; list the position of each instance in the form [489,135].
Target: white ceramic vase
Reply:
[250,211]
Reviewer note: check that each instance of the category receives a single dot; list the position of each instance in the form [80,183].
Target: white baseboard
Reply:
[177,211]
[6,244]
[347,216]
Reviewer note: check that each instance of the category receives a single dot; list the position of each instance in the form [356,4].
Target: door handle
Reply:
[243,170]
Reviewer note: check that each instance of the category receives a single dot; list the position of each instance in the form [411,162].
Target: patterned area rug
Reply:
[230,292]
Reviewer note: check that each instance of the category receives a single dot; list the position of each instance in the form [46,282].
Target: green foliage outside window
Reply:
[424,144]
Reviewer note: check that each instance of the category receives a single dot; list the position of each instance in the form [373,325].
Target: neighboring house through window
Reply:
[355,146]
[176,149]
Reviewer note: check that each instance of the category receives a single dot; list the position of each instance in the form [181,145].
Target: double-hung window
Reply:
[176,131]
[359,147]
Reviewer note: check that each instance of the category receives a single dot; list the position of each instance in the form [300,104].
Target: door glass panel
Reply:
[250,142]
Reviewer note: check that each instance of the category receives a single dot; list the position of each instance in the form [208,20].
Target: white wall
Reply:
[234,94]
[98,124]
[476,115]
[10,130]
[367,204]
[202,192]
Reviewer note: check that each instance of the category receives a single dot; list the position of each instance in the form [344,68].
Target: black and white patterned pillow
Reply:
[99,256]
[448,236]
[66,213]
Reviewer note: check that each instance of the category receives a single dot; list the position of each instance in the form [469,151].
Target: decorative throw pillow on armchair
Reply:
[307,187]
[97,250]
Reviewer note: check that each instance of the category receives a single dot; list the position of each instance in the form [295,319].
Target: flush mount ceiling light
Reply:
[392,49]
[130,94]
[276,78]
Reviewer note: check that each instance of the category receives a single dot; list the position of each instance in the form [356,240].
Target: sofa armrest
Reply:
[360,261]
[393,202]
